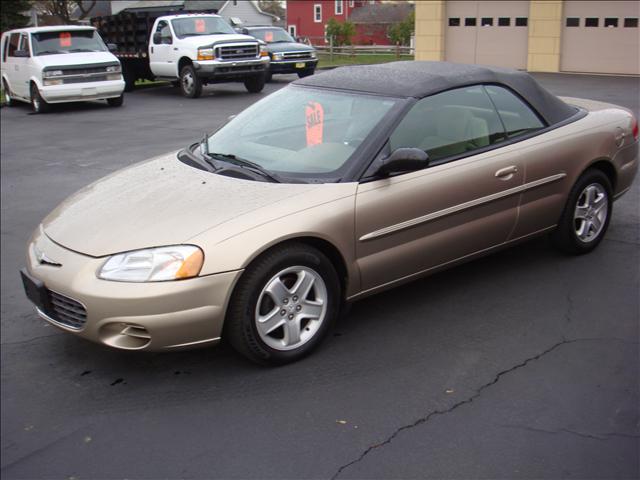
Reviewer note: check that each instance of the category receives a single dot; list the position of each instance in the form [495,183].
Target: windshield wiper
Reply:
[244,163]
[82,50]
[51,52]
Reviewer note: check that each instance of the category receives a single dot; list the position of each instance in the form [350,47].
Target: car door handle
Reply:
[151,49]
[175,48]
[507,172]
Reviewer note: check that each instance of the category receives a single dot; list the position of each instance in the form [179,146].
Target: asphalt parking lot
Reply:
[524,364]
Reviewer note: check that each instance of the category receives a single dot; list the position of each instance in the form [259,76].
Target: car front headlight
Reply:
[52,81]
[314,54]
[114,69]
[206,54]
[263,51]
[278,56]
[53,73]
[159,264]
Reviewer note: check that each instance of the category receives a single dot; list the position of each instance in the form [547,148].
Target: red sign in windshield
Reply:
[65,39]
[314,114]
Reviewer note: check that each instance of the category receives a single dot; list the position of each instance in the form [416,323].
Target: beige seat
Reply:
[457,131]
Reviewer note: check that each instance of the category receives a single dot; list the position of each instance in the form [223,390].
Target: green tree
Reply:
[274,7]
[342,32]
[401,32]
[12,14]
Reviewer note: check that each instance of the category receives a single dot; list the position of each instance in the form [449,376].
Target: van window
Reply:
[5,48]
[24,43]
[13,43]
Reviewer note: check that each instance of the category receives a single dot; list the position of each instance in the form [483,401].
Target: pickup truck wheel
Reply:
[306,73]
[268,77]
[190,84]
[38,104]
[255,84]
[115,102]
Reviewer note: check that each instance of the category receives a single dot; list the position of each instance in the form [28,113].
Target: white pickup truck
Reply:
[190,50]
[44,65]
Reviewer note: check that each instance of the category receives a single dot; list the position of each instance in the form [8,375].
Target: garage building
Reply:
[536,35]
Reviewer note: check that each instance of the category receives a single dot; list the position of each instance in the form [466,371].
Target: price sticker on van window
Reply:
[314,114]
[65,39]
[268,36]
[200,27]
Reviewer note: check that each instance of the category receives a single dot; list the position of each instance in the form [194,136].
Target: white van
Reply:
[44,65]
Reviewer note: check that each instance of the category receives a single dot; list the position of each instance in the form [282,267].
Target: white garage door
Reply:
[601,37]
[487,32]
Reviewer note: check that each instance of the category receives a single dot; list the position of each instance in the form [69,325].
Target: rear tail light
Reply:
[634,128]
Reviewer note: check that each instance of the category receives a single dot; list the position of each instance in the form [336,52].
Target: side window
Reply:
[24,43]
[13,43]
[165,32]
[450,123]
[5,48]
[517,117]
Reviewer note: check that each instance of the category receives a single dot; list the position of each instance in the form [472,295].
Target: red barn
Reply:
[308,18]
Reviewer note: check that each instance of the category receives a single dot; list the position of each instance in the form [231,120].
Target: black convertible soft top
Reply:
[421,79]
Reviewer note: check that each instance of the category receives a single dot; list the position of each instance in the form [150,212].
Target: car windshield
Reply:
[192,26]
[301,131]
[71,41]
[271,35]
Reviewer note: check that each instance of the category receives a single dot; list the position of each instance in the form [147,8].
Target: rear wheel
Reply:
[586,216]
[190,83]
[255,84]
[283,305]
[8,99]
[115,102]
[38,104]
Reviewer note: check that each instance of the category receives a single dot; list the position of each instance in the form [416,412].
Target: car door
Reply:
[465,202]
[161,51]
[23,64]
[13,65]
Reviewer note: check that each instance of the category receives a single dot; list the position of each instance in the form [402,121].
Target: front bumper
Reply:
[154,316]
[291,66]
[224,69]
[80,92]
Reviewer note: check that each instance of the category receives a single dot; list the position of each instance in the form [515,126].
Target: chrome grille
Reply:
[67,311]
[83,79]
[82,71]
[237,52]
[297,55]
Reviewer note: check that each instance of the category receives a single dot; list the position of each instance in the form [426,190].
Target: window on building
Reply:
[504,22]
[454,22]
[486,22]
[351,3]
[317,13]
[292,31]
[516,116]
[469,22]
[573,22]
[630,23]
[522,21]
[450,123]
[339,7]
[611,22]
[591,22]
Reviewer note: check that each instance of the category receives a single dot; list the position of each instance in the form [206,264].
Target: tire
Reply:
[585,218]
[283,335]
[129,79]
[190,84]
[268,77]
[38,104]
[306,73]
[255,84]
[115,102]
[8,99]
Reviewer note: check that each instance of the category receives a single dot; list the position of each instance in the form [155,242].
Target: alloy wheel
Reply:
[590,214]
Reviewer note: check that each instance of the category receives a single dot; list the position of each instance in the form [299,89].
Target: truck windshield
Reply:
[187,27]
[302,132]
[271,35]
[47,43]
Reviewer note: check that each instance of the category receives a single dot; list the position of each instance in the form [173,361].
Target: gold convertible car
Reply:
[336,187]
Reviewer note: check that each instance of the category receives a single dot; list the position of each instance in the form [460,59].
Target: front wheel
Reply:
[255,84]
[8,99]
[190,83]
[283,305]
[586,216]
[38,104]
[306,73]
[115,102]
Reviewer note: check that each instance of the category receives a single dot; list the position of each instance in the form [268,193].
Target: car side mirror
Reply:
[21,53]
[112,47]
[157,38]
[404,160]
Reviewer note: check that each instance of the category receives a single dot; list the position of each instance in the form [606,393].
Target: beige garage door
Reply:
[601,37]
[488,33]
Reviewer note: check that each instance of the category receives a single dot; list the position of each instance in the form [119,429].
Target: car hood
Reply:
[79,58]
[158,202]
[288,47]
[207,40]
